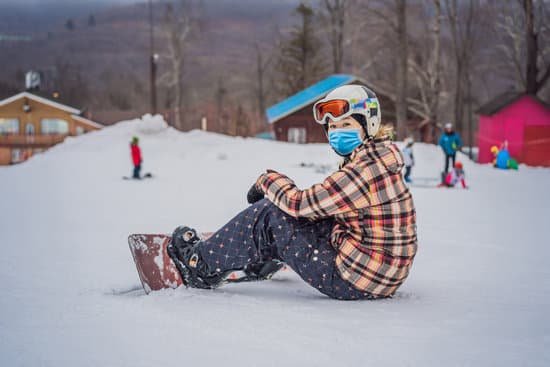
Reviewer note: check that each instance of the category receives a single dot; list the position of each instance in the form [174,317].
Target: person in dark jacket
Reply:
[352,236]
[136,157]
[450,142]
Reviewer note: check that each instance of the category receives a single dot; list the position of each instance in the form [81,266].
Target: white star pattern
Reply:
[303,246]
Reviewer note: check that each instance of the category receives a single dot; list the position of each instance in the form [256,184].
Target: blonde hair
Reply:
[385,131]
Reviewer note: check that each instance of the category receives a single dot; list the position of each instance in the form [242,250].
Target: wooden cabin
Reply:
[30,124]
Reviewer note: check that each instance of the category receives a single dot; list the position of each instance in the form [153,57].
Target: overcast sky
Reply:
[42,2]
[87,2]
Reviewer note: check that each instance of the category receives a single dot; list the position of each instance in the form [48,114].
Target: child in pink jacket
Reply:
[455,176]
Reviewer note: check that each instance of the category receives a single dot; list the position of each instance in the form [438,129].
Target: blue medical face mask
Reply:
[344,141]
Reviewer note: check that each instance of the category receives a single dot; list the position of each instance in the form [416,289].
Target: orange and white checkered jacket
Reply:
[375,219]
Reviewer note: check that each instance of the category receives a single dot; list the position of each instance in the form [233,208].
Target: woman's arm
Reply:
[343,191]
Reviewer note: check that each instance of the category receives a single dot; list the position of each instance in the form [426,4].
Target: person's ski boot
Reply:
[182,249]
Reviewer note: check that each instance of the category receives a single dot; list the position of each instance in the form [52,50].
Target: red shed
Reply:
[521,119]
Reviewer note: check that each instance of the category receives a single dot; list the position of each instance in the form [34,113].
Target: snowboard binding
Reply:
[183,251]
[262,271]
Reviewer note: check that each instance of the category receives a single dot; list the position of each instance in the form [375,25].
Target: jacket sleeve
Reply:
[441,141]
[343,191]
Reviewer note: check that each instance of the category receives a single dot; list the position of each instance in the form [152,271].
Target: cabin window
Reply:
[54,126]
[79,130]
[9,126]
[29,129]
[297,135]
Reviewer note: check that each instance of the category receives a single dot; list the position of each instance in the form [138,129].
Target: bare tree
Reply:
[221,113]
[405,62]
[464,35]
[336,12]
[536,76]
[402,69]
[262,64]
[69,83]
[7,90]
[511,46]
[177,30]
[426,67]
[387,24]
[241,122]
[525,42]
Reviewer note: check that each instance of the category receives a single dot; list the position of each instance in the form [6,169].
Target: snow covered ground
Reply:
[478,294]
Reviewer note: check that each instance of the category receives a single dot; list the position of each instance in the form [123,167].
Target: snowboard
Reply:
[147,175]
[157,271]
[155,268]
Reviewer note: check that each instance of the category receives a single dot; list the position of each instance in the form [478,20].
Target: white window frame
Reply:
[48,128]
[297,135]
[10,130]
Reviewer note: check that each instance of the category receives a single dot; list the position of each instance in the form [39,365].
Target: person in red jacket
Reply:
[136,157]
[455,176]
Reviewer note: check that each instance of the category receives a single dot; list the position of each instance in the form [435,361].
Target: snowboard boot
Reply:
[183,250]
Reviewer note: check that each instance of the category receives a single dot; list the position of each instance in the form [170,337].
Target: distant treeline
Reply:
[435,60]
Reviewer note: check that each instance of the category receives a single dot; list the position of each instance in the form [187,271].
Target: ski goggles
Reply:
[338,109]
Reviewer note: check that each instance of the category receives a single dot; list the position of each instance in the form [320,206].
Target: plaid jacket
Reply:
[375,219]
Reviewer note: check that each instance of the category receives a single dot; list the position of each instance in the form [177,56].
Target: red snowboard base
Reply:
[155,268]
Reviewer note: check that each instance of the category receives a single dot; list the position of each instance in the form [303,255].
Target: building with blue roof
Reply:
[292,119]
[307,96]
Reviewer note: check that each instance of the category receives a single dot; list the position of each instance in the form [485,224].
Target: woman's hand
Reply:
[254,194]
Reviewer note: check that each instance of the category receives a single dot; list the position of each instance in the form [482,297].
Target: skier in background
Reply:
[455,176]
[353,236]
[450,142]
[408,158]
[136,157]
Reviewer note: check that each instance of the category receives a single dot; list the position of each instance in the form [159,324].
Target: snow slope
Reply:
[478,294]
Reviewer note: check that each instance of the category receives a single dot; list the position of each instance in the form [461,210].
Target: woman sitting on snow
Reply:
[353,236]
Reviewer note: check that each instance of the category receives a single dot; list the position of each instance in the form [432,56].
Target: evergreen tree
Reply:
[91,21]
[301,60]
[70,25]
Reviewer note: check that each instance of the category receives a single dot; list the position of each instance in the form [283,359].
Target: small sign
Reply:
[32,80]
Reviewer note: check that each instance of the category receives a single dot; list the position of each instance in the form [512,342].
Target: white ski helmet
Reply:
[354,99]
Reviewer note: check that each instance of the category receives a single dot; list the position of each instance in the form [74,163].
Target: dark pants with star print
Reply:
[263,232]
